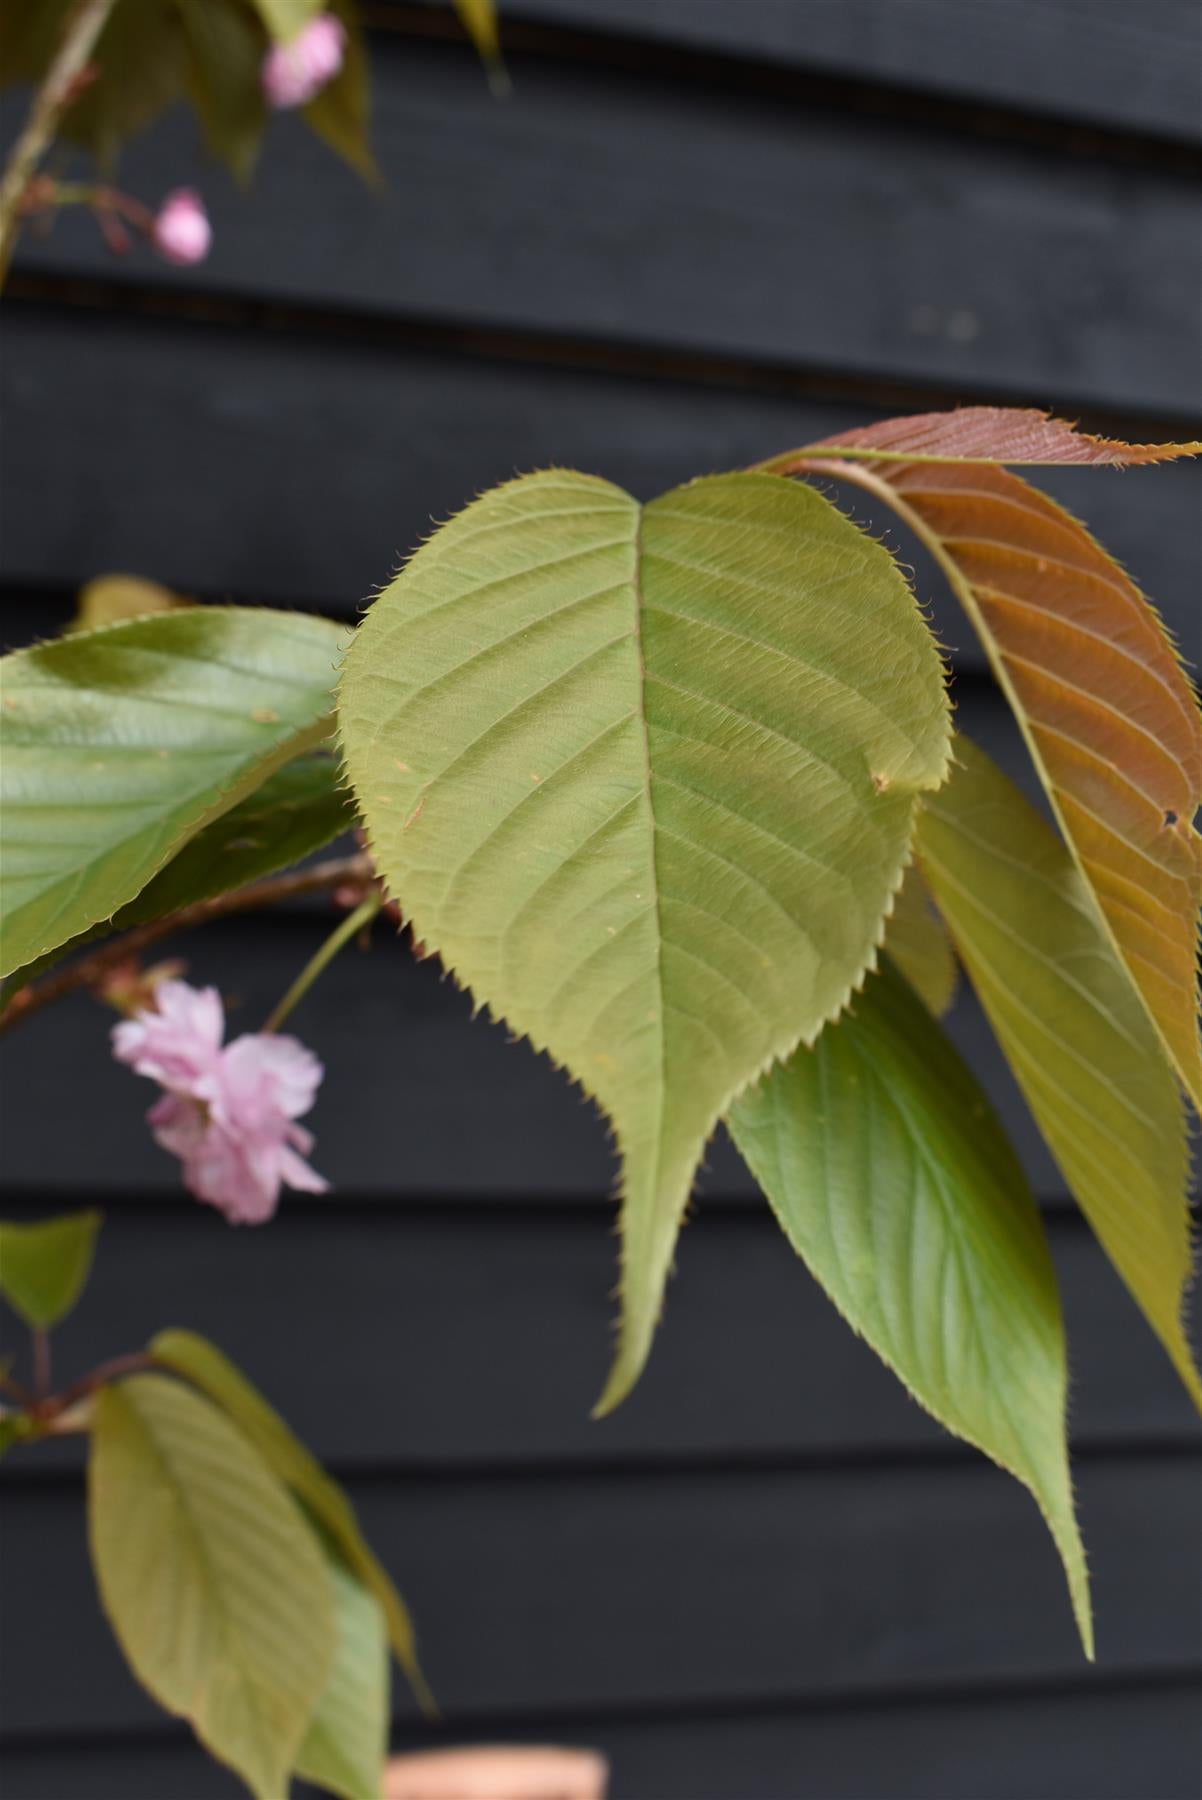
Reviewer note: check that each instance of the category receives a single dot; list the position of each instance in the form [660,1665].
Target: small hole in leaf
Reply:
[1170,817]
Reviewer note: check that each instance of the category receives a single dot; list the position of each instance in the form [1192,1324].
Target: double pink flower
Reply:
[229,1113]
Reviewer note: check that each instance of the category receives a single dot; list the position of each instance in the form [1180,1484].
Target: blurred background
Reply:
[695,233]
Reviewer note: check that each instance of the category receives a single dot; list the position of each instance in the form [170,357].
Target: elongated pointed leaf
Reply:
[203,1364]
[119,745]
[347,1739]
[894,1181]
[1071,1024]
[917,940]
[1099,692]
[990,434]
[215,1586]
[44,1266]
[645,778]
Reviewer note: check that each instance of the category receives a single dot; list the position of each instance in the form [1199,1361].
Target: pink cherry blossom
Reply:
[229,1113]
[181,231]
[296,71]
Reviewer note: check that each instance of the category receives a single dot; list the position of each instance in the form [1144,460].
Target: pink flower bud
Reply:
[182,232]
[294,72]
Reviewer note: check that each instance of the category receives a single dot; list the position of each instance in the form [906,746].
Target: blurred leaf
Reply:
[141,56]
[989,434]
[1069,1019]
[917,940]
[226,46]
[203,1364]
[119,745]
[1095,682]
[895,1183]
[44,1267]
[14,1427]
[294,812]
[347,1739]
[110,598]
[284,18]
[215,1586]
[479,20]
[339,115]
[633,772]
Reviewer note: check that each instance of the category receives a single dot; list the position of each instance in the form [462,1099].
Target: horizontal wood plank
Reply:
[630,209]
[1098,61]
[284,467]
[617,1591]
[473,1337]
[1092,1745]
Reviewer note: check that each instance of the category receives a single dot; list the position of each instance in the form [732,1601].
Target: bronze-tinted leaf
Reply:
[993,434]
[1096,684]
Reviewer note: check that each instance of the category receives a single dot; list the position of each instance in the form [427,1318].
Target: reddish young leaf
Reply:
[990,434]
[1096,685]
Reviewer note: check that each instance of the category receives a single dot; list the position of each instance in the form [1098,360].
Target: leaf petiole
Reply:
[363,915]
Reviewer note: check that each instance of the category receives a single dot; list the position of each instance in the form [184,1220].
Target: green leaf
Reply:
[297,810]
[917,940]
[347,1739]
[226,45]
[645,778]
[215,1586]
[44,1267]
[1073,1028]
[14,1426]
[340,112]
[284,18]
[895,1183]
[205,1367]
[119,745]
[479,20]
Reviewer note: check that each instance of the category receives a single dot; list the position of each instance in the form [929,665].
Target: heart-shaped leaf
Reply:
[894,1181]
[215,1586]
[1091,675]
[644,776]
[119,745]
[1065,1012]
[347,1739]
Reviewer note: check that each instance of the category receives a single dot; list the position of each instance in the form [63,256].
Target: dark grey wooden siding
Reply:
[698,232]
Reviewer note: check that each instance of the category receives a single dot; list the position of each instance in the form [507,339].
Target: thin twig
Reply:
[41,1361]
[335,872]
[132,1363]
[49,103]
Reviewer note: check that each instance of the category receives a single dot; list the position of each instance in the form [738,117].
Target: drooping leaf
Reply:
[44,1266]
[119,745]
[479,20]
[111,598]
[284,18]
[1067,1015]
[296,811]
[645,778]
[917,940]
[205,1367]
[226,45]
[895,1183]
[340,113]
[141,63]
[347,1739]
[990,434]
[216,1587]
[1097,687]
